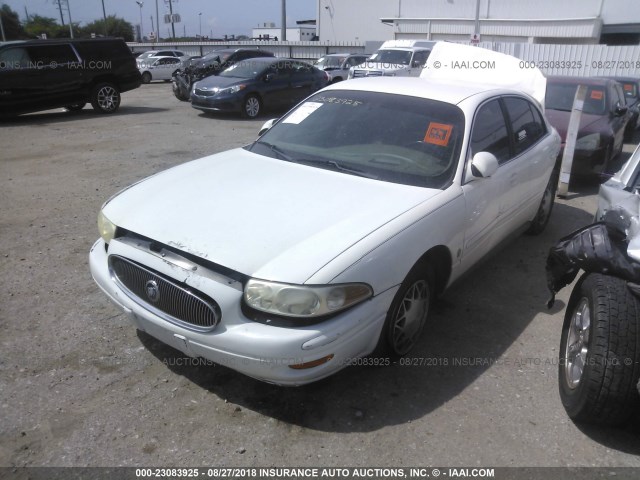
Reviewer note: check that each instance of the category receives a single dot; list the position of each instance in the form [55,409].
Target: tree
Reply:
[11,22]
[36,25]
[115,27]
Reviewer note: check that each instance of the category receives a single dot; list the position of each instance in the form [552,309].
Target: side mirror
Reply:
[267,125]
[268,77]
[620,110]
[416,64]
[484,164]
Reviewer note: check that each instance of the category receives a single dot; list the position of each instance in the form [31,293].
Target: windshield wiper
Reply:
[341,168]
[316,161]
[277,151]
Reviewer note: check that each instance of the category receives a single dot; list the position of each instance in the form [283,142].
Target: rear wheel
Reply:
[541,219]
[105,98]
[599,365]
[251,106]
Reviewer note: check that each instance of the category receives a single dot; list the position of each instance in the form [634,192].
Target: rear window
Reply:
[630,90]
[101,50]
[560,97]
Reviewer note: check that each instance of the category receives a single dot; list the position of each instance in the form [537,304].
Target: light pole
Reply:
[70,21]
[157,22]
[140,4]
[104,15]
[200,19]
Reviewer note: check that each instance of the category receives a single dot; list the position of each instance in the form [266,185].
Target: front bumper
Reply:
[223,103]
[255,349]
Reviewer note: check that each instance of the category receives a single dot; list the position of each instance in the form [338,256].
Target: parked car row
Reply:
[609,115]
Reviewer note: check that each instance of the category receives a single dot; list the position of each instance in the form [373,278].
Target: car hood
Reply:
[260,216]
[588,123]
[220,82]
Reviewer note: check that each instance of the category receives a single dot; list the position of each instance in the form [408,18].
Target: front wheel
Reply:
[408,314]
[599,364]
[146,77]
[105,98]
[251,106]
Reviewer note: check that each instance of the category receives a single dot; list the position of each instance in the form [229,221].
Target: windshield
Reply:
[245,69]
[396,57]
[387,137]
[329,62]
[560,97]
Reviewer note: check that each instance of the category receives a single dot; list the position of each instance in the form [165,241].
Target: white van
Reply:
[401,58]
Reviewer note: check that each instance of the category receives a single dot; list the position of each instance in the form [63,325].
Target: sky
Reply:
[218,17]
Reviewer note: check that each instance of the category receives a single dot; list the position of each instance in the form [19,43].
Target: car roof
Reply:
[567,80]
[160,57]
[449,92]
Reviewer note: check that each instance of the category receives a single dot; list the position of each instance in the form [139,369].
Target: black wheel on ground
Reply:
[105,98]
[146,77]
[599,364]
[251,106]
[408,313]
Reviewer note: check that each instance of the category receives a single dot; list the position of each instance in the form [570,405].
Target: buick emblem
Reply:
[153,291]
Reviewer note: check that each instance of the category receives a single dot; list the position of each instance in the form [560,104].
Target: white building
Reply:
[537,21]
[297,34]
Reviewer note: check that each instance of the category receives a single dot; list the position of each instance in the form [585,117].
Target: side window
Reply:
[526,127]
[420,58]
[490,132]
[51,55]
[14,59]
[620,94]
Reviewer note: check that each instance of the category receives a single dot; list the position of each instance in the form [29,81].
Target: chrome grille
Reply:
[204,93]
[170,300]
[359,73]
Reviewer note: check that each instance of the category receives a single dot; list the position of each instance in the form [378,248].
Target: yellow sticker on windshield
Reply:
[438,134]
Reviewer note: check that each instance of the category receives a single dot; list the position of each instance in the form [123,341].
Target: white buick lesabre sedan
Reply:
[327,238]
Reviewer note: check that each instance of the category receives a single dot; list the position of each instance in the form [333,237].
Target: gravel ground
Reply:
[79,386]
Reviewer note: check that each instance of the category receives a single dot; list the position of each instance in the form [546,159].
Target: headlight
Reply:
[234,89]
[588,142]
[106,228]
[303,301]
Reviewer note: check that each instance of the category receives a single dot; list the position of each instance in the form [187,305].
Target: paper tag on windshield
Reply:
[302,112]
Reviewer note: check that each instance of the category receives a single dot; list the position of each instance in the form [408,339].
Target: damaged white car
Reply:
[328,237]
[599,367]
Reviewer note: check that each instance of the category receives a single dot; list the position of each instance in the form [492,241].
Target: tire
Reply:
[76,107]
[146,78]
[178,93]
[251,106]
[407,314]
[599,363]
[105,98]
[540,221]
[336,80]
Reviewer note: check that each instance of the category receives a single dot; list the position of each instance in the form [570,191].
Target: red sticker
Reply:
[628,87]
[596,94]
[438,134]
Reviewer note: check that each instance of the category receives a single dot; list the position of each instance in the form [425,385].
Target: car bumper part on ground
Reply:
[261,351]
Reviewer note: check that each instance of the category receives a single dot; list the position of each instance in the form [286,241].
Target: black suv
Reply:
[43,74]
[211,64]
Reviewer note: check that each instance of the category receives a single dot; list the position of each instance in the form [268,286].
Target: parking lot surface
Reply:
[79,385]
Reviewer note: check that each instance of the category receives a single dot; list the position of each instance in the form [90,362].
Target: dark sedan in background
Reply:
[602,126]
[250,86]
[211,64]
